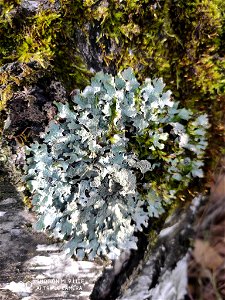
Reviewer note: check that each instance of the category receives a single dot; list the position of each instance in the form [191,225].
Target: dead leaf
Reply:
[206,255]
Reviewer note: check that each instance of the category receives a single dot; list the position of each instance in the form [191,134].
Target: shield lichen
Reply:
[94,186]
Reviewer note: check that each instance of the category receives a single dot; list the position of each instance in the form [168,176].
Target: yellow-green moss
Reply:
[46,37]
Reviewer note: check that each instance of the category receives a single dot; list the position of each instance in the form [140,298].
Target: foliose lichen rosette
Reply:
[110,161]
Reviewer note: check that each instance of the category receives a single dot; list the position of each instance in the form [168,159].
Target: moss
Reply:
[38,42]
[9,28]
[46,37]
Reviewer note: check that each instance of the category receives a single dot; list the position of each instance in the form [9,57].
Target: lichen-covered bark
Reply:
[47,53]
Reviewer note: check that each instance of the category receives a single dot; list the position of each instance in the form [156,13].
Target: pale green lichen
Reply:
[111,161]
